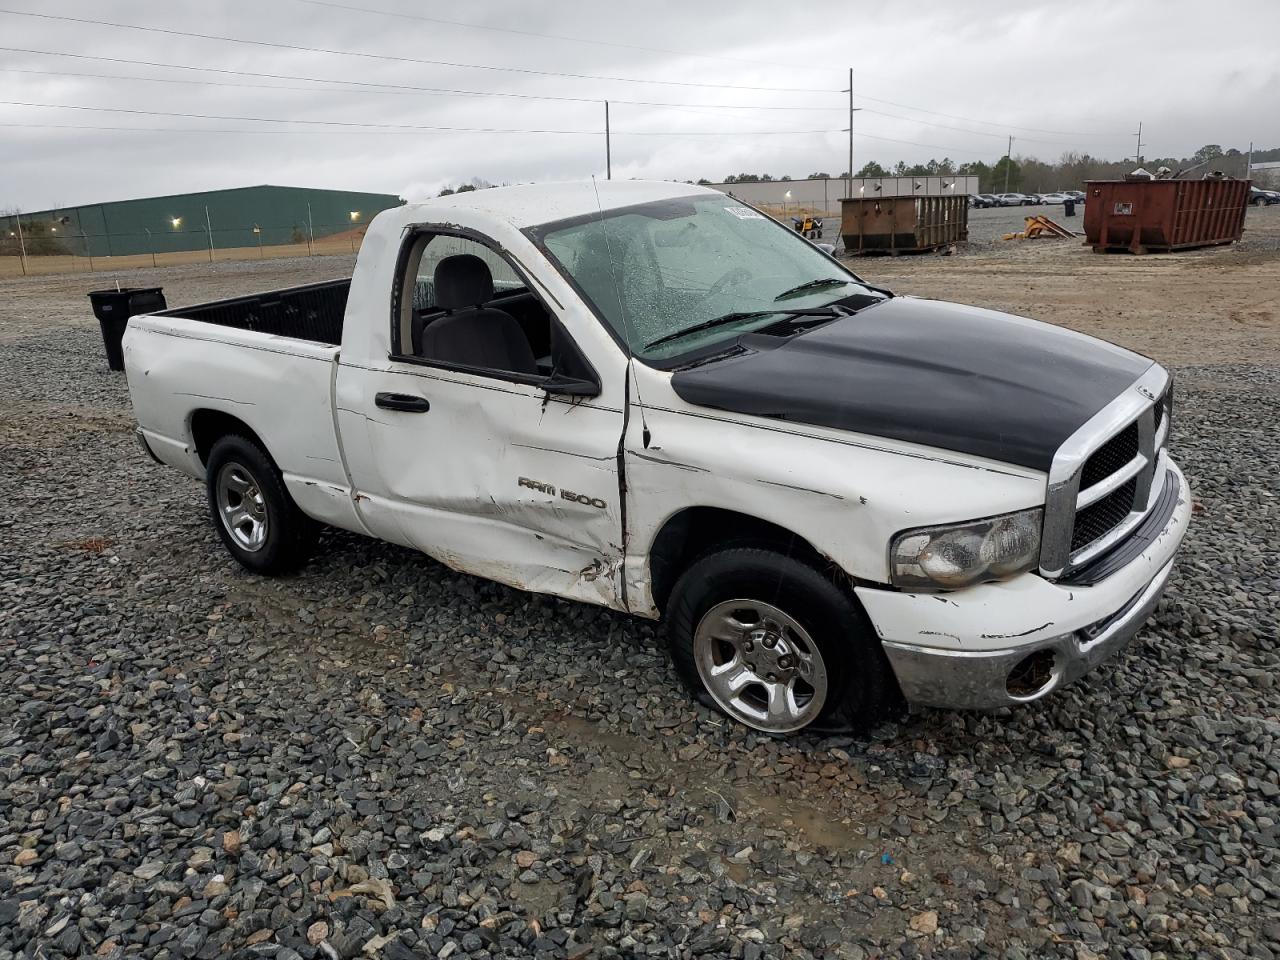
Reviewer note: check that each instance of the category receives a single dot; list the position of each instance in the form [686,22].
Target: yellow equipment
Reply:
[1041,226]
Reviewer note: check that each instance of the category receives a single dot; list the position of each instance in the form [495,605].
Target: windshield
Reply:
[657,269]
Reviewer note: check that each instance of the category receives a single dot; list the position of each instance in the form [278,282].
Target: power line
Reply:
[378,87]
[995,123]
[258,132]
[364,86]
[947,126]
[411,131]
[405,89]
[551,36]
[468,93]
[916,143]
[408,126]
[527,71]
[341,132]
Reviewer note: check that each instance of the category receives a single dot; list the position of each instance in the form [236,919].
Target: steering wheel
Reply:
[733,275]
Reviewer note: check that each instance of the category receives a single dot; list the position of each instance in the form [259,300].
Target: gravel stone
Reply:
[379,756]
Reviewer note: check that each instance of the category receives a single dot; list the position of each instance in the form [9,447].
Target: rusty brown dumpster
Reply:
[902,224]
[1143,216]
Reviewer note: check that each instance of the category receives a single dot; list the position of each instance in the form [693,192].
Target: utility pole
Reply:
[1248,163]
[311,230]
[1008,162]
[848,186]
[208,225]
[1137,157]
[608,147]
[22,244]
[151,245]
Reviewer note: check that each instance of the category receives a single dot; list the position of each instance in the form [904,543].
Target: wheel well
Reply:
[694,531]
[210,426]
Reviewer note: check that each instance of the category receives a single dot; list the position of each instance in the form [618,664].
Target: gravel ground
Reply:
[381,758]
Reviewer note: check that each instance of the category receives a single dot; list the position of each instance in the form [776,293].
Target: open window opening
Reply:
[463,305]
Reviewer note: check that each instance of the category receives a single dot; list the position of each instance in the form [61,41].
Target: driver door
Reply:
[483,469]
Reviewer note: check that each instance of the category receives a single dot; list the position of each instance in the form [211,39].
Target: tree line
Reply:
[1037,176]
[38,238]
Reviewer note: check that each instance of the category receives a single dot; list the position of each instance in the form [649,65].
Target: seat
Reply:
[470,333]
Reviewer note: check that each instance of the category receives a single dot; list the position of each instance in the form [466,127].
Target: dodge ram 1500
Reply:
[654,397]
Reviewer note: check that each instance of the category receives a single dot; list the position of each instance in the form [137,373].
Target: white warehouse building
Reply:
[825,194]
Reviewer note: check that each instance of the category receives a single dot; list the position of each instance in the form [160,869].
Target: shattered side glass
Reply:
[658,268]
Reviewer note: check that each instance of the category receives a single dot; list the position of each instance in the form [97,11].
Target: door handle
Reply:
[404,402]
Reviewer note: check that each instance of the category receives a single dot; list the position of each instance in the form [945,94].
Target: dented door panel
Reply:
[495,479]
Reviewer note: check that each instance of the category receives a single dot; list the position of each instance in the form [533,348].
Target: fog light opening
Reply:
[1032,676]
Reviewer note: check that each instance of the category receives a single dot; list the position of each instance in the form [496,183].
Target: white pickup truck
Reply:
[653,397]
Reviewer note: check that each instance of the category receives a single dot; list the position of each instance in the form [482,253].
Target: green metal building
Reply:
[240,217]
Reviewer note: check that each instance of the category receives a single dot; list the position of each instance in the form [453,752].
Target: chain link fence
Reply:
[37,248]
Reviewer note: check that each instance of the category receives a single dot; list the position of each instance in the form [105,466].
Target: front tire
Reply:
[773,643]
[258,521]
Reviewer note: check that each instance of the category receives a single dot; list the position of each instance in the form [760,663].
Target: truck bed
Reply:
[313,311]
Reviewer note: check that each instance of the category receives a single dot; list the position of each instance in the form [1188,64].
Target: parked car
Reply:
[987,200]
[1259,197]
[1053,198]
[1015,200]
[657,399]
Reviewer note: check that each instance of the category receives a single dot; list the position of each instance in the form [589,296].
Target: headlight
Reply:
[957,555]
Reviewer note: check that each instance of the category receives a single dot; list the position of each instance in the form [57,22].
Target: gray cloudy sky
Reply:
[1059,76]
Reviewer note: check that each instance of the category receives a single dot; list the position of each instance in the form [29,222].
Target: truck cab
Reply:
[653,397]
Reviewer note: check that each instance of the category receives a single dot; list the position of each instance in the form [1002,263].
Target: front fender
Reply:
[846,494]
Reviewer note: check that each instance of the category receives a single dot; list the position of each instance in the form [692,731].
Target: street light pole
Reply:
[151,245]
[208,225]
[311,230]
[1008,162]
[608,145]
[22,244]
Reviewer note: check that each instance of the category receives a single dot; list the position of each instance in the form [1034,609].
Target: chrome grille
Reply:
[1102,516]
[1110,457]
[1100,484]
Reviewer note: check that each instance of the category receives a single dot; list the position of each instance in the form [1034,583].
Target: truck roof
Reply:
[531,204]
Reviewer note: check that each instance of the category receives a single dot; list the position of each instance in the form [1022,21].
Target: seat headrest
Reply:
[461,281]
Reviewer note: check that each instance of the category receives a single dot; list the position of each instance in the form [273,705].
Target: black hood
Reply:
[939,374]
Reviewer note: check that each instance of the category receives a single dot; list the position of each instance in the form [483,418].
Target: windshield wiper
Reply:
[831,312]
[812,285]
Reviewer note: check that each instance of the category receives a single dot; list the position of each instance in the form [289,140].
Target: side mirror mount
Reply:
[561,385]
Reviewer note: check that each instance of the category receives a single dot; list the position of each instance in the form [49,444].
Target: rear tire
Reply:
[258,521]
[773,643]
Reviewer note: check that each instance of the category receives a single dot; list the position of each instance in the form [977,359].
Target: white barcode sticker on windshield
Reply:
[744,213]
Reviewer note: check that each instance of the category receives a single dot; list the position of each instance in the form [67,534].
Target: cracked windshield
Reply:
[678,275]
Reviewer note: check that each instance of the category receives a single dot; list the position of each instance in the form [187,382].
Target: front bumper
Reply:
[959,649]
